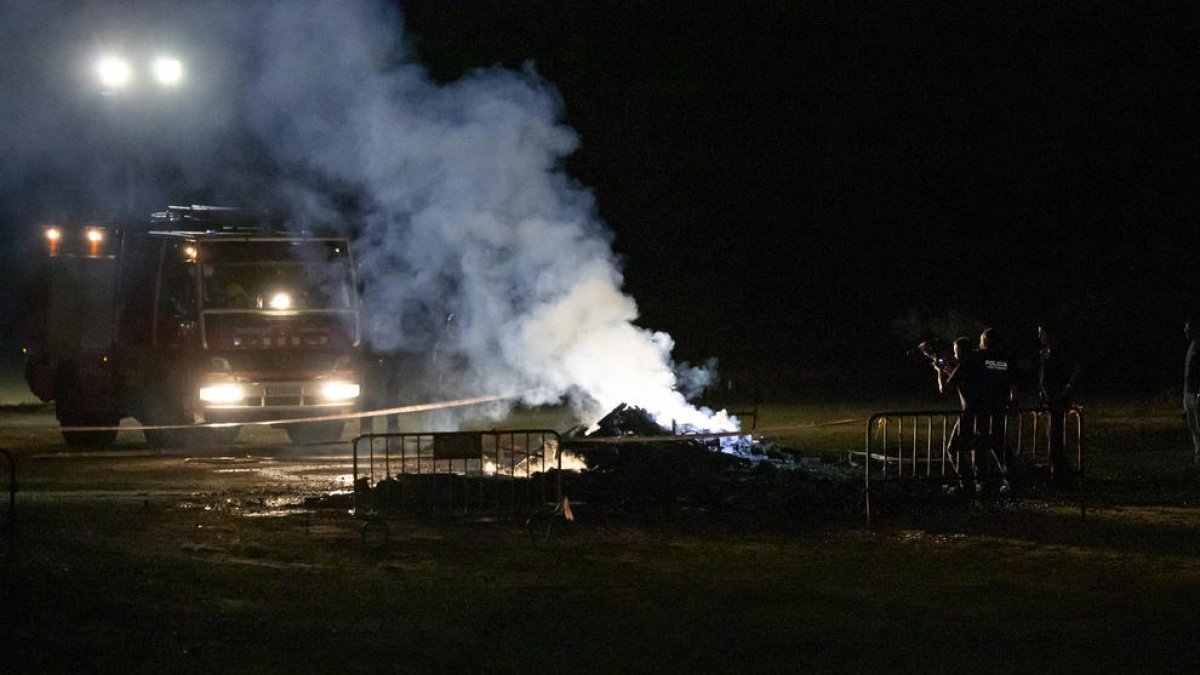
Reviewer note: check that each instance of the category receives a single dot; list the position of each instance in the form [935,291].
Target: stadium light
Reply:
[168,71]
[116,73]
[113,71]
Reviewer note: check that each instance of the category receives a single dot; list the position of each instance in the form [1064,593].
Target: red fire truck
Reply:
[207,315]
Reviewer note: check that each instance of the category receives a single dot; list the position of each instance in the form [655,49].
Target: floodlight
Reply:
[114,72]
[167,70]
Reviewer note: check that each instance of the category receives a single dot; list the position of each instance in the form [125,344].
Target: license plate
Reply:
[283,391]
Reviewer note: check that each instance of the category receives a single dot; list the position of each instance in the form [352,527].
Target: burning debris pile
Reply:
[630,467]
[634,464]
[625,422]
[633,423]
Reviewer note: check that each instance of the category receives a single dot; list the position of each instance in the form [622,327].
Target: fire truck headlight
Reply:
[339,391]
[227,392]
[280,301]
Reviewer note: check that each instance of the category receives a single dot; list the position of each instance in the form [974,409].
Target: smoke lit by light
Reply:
[463,207]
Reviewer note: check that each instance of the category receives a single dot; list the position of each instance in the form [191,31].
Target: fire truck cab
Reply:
[208,315]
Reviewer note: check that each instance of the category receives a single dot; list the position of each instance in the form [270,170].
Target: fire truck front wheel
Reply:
[70,416]
[71,411]
[92,439]
[154,408]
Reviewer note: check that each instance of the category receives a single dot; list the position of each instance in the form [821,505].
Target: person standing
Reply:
[1058,376]
[1191,384]
[998,388]
[981,378]
[961,375]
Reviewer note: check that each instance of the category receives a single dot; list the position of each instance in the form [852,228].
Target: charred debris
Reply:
[715,474]
[636,470]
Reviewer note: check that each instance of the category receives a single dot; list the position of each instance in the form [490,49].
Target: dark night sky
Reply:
[786,180]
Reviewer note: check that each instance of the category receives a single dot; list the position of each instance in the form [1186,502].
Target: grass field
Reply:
[147,585]
[13,390]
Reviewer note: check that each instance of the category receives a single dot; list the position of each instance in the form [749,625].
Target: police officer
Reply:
[998,376]
[983,380]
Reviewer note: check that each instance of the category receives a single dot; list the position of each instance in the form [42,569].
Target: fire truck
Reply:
[205,315]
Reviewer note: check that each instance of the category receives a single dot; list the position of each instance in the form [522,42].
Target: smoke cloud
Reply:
[474,245]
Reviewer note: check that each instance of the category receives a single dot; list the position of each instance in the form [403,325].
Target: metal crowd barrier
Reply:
[915,446]
[501,471]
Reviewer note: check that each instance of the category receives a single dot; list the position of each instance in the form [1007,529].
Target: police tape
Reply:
[400,410]
[441,405]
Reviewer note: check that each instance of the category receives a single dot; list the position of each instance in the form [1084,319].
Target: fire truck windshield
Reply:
[275,276]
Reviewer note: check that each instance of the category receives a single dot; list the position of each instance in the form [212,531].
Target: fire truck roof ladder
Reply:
[221,218]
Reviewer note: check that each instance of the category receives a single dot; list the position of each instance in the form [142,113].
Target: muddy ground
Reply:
[249,557]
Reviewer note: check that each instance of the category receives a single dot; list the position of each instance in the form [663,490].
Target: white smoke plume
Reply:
[473,242]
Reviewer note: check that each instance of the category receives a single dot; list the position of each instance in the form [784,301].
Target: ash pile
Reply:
[635,466]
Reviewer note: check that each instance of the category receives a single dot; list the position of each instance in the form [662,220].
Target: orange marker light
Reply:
[94,236]
[53,235]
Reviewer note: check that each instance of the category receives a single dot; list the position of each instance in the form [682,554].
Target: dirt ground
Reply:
[249,557]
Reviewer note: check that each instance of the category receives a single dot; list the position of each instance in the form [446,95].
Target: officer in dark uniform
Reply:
[982,378]
[1058,375]
[999,376]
